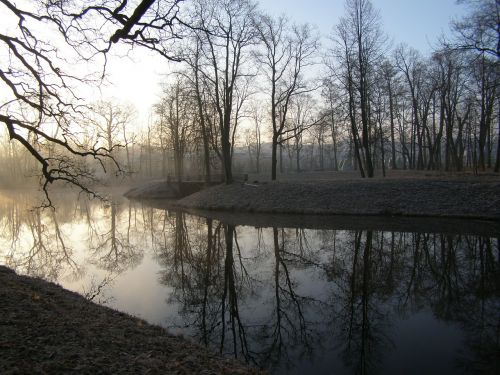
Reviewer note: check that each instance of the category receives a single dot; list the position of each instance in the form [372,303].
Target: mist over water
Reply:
[291,300]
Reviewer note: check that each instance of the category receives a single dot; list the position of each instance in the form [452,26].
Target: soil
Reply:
[45,329]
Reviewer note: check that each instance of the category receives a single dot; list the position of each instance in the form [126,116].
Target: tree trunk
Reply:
[281,157]
[382,151]
[497,164]
[274,160]
[393,142]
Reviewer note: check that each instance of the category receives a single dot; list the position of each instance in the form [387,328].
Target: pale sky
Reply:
[417,23]
[414,22]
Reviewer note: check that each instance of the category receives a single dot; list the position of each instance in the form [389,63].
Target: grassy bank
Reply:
[458,197]
[45,329]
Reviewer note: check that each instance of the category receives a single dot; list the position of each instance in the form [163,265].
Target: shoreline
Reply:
[413,224]
[45,328]
[451,198]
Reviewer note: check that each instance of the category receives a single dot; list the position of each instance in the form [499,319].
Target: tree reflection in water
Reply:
[363,281]
[208,280]
[111,248]
[38,246]
[290,300]
[253,299]
[43,242]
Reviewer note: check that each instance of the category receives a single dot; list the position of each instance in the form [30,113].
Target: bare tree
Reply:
[226,32]
[254,136]
[200,87]
[110,120]
[332,95]
[286,52]
[176,111]
[389,75]
[412,67]
[98,24]
[301,119]
[41,106]
[359,45]
[479,31]
[485,79]
[454,108]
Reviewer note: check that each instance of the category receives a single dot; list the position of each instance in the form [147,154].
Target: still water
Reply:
[291,300]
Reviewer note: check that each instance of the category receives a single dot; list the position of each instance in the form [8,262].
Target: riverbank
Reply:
[467,197]
[45,329]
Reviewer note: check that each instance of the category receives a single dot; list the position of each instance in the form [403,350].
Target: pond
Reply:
[295,296]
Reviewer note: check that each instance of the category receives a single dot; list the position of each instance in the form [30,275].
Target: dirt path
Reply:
[45,329]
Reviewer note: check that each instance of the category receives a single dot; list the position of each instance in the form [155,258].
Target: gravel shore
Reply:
[45,329]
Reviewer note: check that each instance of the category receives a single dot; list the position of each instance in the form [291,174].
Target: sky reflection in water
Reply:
[290,300]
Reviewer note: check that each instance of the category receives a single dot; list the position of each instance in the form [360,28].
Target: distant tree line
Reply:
[245,80]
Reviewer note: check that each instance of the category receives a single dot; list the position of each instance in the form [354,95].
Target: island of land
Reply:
[464,196]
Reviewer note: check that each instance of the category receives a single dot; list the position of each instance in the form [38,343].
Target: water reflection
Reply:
[61,244]
[111,246]
[284,296]
[290,300]
[34,241]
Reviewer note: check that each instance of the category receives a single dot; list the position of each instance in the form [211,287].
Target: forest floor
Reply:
[45,329]
[401,194]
